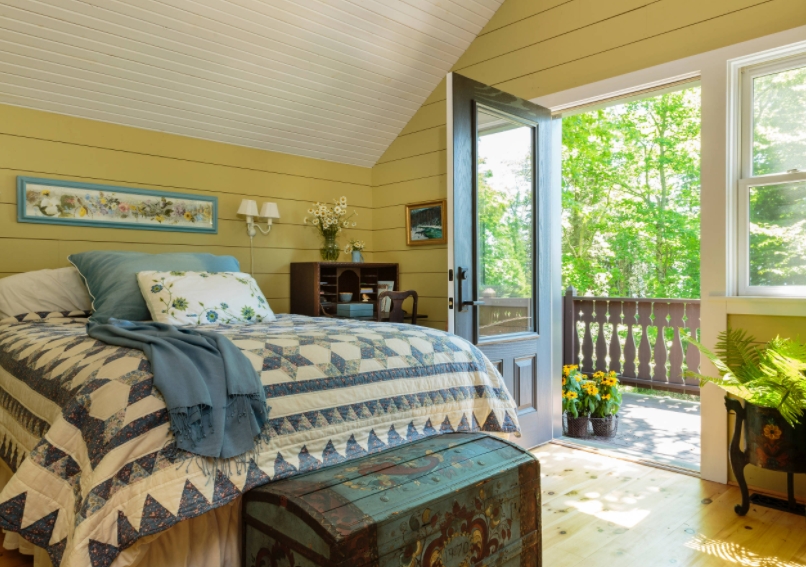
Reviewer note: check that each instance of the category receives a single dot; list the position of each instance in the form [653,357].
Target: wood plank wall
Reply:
[532,48]
[49,145]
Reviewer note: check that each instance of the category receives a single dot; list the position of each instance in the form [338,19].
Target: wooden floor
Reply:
[599,512]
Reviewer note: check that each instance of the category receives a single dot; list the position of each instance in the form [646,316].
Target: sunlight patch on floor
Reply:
[624,518]
[736,554]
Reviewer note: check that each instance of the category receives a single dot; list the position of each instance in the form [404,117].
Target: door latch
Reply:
[461,275]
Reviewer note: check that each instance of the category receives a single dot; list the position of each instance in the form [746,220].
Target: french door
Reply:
[498,182]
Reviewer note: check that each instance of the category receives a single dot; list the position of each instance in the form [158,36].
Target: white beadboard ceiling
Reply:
[329,79]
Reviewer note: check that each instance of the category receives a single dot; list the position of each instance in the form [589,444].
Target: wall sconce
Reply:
[249,210]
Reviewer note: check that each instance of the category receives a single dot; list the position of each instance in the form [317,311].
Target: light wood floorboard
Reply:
[599,511]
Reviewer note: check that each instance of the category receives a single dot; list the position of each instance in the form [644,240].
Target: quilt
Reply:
[96,467]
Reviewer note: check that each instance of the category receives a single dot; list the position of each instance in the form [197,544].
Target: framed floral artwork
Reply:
[54,201]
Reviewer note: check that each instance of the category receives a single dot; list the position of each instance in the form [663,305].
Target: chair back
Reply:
[396,310]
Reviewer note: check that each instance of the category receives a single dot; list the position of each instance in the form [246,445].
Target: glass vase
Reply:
[330,249]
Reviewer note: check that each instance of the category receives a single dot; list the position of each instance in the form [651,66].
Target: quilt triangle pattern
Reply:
[357,356]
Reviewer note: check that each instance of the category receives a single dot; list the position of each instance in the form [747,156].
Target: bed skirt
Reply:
[210,540]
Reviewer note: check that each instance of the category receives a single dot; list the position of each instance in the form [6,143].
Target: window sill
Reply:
[763,305]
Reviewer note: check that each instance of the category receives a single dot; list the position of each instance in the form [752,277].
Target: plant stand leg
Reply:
[738,458]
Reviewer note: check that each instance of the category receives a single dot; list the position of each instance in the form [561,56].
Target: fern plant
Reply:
[770,375]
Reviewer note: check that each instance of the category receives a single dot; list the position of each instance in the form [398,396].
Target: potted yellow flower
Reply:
[580,398]
[604,418]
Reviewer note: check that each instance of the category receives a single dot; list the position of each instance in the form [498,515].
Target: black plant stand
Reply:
[771,443]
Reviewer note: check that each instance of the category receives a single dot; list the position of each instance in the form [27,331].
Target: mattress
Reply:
[97,469]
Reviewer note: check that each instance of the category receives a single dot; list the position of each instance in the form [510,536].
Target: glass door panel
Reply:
[505,229]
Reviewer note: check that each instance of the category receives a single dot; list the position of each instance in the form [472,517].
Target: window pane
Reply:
[504,225]
[778,235]
[779,115]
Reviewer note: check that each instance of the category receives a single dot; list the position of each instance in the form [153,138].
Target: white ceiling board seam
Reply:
[406,34]
[328,115]
[340,34]
[454,14]
[29,70]
[26,101]
[360,58]
[387,9]
[197,126]
[331,101]
[391,41]
[145,44]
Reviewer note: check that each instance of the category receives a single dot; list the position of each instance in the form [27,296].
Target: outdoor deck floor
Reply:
[660,429]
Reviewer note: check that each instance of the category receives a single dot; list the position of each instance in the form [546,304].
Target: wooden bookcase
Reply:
[315,286]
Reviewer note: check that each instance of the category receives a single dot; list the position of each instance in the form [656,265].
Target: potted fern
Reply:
[771,380]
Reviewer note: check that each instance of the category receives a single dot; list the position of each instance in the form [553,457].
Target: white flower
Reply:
[343,201]
[315,221]
[50,206]
[337,210]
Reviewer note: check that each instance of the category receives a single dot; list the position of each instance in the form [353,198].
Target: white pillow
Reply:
[204,298]
[44,290]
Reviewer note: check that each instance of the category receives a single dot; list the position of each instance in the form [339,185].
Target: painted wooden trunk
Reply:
[454,500]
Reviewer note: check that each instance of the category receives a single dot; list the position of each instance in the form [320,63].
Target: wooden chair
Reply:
[396,312]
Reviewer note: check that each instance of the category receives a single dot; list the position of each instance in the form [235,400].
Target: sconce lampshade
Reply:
[248,208]
[269,211]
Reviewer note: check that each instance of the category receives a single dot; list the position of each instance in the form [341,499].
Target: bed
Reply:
[98,480]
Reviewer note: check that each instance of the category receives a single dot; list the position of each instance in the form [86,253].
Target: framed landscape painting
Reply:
[53,201]
[426,223]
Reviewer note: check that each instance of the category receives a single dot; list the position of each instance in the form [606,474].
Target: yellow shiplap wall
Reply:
[42,144]
[536,47]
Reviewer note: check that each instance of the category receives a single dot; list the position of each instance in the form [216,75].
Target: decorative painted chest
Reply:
[454,500]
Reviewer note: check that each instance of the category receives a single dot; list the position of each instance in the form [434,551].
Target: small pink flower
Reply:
[124,208]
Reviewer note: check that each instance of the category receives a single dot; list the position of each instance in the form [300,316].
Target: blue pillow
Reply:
[111,278]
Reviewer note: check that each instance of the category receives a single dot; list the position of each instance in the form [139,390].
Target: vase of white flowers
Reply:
[329,221]
[355,247]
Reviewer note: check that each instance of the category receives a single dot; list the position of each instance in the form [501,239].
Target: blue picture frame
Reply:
[73,203]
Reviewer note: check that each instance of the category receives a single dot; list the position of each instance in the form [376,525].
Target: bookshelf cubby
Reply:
[315,286]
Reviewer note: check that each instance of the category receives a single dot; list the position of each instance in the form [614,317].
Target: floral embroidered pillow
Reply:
[204,298]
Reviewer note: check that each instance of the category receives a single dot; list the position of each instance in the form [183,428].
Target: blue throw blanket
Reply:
[213,394]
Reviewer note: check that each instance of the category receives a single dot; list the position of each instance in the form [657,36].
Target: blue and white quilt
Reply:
[97,468]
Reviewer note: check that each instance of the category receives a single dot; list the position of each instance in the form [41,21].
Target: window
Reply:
[772,182]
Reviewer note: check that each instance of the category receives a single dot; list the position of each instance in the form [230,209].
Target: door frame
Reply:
[548,265]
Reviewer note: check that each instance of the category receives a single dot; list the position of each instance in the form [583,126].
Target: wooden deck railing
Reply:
[641,339]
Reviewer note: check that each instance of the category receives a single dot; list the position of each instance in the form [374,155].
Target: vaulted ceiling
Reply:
[330,79]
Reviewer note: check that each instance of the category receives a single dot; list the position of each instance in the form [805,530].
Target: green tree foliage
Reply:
[778,212]
[505,230]
[631,198]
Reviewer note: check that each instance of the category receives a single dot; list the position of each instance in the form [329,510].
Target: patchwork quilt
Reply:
[96,467]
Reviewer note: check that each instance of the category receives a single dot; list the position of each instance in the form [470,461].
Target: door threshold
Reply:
[564,442]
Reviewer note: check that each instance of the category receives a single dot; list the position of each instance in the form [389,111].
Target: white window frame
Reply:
[746,180]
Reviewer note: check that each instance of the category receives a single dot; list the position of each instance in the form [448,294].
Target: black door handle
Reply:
[461,275]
